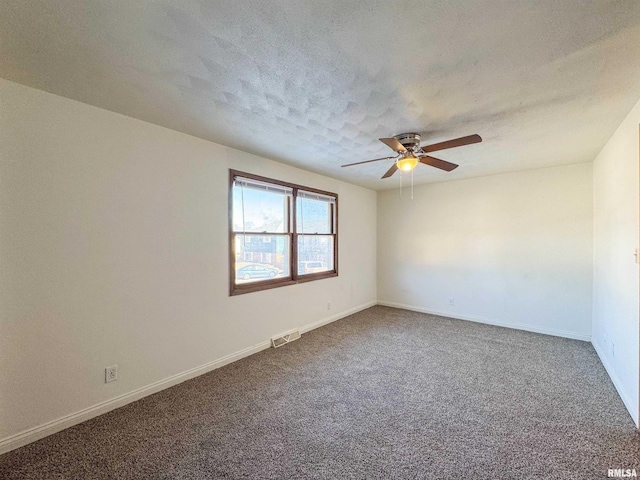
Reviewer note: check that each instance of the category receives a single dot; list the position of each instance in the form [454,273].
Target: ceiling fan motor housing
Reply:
[410,141]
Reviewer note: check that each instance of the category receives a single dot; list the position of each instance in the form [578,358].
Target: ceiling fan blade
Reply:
[391,171]
[367,161]
[456,142]
[393,144]
[436,162]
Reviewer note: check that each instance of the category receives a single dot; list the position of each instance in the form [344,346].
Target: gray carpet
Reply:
[384,393]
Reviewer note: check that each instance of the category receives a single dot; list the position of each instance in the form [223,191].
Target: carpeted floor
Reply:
[384,393]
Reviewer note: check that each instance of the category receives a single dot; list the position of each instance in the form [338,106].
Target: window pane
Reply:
[315,254]
[257,210]
[313,216]
[261,257]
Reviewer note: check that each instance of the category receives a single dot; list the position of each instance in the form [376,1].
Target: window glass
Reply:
[262,241]
[313,216]
[258,208]
[257,259]
[315,254]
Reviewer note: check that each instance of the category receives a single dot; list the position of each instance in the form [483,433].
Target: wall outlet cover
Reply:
[111,374]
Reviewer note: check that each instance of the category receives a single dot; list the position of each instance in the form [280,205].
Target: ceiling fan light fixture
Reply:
[407,162]
[405,147]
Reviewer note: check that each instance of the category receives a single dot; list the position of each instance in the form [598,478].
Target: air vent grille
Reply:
[285,338]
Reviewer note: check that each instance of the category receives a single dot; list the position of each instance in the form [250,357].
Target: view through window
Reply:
[280,233]
[314,225]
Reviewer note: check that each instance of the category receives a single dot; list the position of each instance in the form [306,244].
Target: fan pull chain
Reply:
[402,175]
[411,184]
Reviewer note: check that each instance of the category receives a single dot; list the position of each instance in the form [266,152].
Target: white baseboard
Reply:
[337,316]
[624,395]
[49,428]
[36,433]
[489,321]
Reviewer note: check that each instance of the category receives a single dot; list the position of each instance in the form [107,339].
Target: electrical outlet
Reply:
[451,302]
[329,305]
[111,374]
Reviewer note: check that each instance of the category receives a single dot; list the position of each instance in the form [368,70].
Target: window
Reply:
[279,233]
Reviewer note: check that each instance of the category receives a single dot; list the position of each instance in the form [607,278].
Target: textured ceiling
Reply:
[315,83]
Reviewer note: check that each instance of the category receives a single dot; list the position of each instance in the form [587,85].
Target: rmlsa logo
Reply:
[622,473]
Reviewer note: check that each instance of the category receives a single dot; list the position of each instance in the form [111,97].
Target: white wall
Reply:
[113,250]
[615,286]
[512,249]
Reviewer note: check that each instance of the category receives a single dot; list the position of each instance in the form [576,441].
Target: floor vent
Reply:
[285,338]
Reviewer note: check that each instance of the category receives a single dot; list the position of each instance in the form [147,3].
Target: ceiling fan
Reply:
[409,152]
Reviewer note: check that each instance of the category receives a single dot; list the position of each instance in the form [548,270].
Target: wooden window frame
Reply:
[293,278]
